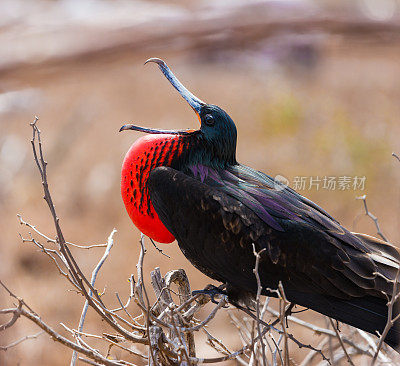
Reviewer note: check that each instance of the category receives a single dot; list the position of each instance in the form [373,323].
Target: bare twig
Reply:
[73,268]
[210,316]
[23,339]
[52,254]
[373,217]
[59,338]
[49,240]
[158,249]
[391,320]
[341,342]
[372,345]
[259,289]
[110,243]
[310,355]
[180,278]
[143,289]
[14,318]
[319,330]
[282,305]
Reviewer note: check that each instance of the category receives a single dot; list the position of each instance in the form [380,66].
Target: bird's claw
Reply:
[211,291]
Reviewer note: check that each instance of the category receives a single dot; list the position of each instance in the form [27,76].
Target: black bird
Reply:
[187,185]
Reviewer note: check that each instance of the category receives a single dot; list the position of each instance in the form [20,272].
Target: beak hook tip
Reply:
[193,101]
[124,127]
[155,60]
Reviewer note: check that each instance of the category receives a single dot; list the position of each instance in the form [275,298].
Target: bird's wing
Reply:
[271,201]
[217,219]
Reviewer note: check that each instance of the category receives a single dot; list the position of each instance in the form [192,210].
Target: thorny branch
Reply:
[163,332]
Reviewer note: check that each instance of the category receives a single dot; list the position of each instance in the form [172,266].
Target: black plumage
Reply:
[217,209]
[326,268]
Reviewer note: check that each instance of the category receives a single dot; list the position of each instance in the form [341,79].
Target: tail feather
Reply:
[368,313]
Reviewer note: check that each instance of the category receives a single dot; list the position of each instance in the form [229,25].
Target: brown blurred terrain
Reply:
[318,99]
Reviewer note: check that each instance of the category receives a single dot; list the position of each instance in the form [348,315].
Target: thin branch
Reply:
[73,268]
[259,289]
[49,240]
[23,339]
[89,362]
[390,320]
[157,248]
[210,316]
[49,253]
[66,342]
[282,315]
[135,327]
[19,299]
[373,217]
[41,164]
[127,349]
[341,342]
[310,355]
[372,344]
[14,318]
[143,287]
[320,330]
[110,243]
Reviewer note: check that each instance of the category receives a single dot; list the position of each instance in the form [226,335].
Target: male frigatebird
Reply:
[187,185]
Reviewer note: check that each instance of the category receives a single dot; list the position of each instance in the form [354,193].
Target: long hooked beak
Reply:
[156,131]
[193,101]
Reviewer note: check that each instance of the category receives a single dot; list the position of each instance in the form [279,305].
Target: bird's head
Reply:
[215,140]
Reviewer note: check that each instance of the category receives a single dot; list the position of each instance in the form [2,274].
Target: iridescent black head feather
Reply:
[218,132]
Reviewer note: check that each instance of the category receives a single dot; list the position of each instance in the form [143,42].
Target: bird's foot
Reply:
[212,291]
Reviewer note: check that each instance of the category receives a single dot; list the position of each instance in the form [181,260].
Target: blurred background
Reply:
[313,86]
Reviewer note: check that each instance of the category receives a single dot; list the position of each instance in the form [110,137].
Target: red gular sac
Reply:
[145,154]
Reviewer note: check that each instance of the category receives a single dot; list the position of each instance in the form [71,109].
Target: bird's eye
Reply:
[209,120]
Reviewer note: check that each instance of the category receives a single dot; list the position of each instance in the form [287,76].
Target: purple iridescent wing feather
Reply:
[271,201]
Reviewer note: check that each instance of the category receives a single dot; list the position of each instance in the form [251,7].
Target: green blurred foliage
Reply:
[365,153]
[282,116]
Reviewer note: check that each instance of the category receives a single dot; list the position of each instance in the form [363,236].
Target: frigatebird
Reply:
[187,185]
